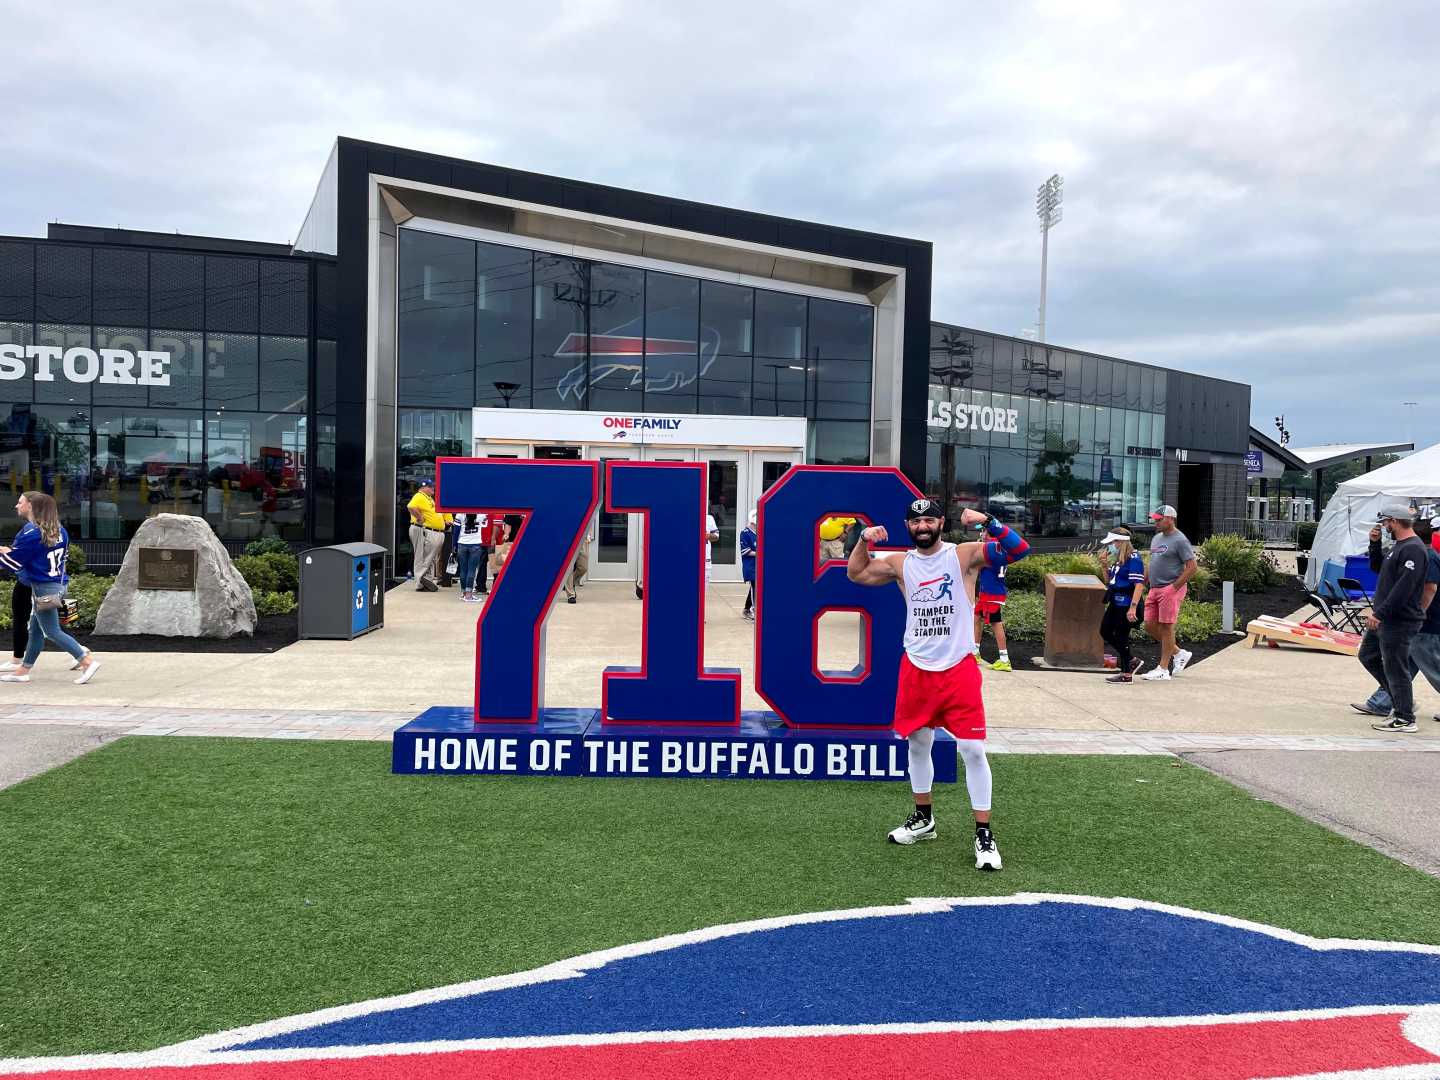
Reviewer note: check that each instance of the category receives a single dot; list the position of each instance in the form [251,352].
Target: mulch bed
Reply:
[1279,600]
[272,633]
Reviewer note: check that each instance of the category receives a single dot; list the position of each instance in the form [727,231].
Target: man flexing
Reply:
[939,677]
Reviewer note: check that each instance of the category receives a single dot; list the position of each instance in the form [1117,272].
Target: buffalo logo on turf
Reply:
[993,987]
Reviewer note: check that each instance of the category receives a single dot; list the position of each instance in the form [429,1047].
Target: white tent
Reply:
[1350,515]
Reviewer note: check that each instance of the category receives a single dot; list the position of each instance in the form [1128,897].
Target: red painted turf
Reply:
[1211,1052]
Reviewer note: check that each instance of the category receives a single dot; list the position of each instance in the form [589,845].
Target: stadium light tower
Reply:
[1047,208]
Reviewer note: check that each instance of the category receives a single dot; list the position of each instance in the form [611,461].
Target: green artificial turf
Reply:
[160,889]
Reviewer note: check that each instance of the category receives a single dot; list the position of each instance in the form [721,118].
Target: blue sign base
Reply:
[573,742]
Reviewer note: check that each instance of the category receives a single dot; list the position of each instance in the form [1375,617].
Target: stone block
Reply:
[221,606]
[1074,605]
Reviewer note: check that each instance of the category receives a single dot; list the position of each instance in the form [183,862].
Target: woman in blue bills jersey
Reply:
[38,559]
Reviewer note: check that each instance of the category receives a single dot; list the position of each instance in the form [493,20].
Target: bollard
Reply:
[1227,606]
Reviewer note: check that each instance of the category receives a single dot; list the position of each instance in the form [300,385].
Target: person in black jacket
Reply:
[1397,613]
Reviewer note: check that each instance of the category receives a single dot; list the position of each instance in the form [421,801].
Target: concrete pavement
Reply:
[1390,802]
[424,656]
[27,750]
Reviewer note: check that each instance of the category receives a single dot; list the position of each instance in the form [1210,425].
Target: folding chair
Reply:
[1355,591]
[1347,612]
[1323,612]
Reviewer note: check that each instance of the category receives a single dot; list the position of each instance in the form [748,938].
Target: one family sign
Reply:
[672,694]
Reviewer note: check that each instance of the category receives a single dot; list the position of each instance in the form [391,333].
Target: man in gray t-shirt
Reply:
[1167,576]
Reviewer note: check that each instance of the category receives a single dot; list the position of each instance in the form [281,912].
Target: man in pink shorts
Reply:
[1172,565]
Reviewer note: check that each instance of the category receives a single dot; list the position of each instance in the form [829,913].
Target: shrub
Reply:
[74,560]
[258,573]
[269,545]
[1028,575]
[1233,558]
[1198,621]
[90,590]
[1305,535]
[274,603]
[286,568]
[1025,616]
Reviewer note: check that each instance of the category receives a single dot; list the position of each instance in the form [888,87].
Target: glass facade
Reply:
[232,437]
[498,326]
[1059,442]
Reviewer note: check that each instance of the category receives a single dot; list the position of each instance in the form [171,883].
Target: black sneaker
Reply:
[570,600]
[1396,723]
[1366,710]
[1124,676]
[917,827]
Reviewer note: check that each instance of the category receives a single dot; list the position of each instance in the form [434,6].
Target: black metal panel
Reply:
[122,287]
[481,178]
[62,284]
[17,282]
[232,294]
[177,291]
[327,314]
[284,297]
[352,267]
[422,168]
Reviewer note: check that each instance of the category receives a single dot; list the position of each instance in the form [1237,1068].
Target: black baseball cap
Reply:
[924,508]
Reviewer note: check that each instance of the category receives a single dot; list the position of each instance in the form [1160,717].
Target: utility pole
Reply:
[1047,208]
[1411,406]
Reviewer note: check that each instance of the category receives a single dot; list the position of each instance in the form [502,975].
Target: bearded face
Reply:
[925,531]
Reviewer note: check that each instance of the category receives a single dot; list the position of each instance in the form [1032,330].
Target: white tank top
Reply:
[939,617]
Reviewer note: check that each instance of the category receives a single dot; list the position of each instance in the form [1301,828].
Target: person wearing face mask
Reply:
[1397,613]
[1124,573]
[749,546]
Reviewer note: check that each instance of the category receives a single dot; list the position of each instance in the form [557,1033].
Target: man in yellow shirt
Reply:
[427,535]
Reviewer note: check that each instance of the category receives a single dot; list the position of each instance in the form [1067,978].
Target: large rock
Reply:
[220,607]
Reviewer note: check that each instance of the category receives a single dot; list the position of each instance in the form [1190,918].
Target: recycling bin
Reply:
[342,591]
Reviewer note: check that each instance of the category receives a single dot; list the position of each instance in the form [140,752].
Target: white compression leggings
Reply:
[972,752]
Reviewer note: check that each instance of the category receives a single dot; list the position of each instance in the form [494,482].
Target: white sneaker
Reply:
[9,665]
[916,828]
[987,855]
[1156,674]
[1181,659]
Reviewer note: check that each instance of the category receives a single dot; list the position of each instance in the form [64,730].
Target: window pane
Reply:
[1089,372]
[617,323]
[132,341]
[559,348]
[1132,387]
[284,374]
[953,357]
[725,385]
[186,370]
[839,342]
[503,284]
[62,284]
[672,331]
[1087,429]
[146,463]
[779,354]
[1158,430]
[422,435]
[177,290]
[1161,378]
[727,336]
[1009,486]
[1070,436]
[724,505]
[47,448]
[1103,444]
[232,294]
[57,389]
[840,442]
[23,388]
[1132,430]
[256,467]
[436,333]
[232,372]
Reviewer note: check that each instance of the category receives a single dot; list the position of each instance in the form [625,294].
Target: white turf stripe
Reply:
[201,1049]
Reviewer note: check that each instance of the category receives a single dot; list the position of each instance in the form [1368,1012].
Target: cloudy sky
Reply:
[1252,189]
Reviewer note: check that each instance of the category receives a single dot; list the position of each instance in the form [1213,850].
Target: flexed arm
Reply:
[1005,545]
[863,569]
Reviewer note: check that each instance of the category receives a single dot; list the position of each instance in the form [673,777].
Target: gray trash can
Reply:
[342,591]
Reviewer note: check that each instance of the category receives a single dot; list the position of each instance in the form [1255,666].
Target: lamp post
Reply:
[1412,406]
[1047,208]
[507,390]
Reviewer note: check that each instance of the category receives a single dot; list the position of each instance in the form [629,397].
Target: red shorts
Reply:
[1162,605]
[989,605]
[950,699]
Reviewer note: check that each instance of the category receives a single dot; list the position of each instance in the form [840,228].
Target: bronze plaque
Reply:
[168,568]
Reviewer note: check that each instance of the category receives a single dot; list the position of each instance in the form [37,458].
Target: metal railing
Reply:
[1275,534]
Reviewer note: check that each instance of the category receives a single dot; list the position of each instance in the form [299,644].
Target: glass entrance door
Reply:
[724,483]
[615,552]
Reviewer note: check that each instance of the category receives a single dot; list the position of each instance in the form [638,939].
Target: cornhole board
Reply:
[1268,629]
